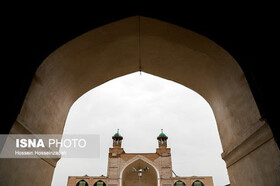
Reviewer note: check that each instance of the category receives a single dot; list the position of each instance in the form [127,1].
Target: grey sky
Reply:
[140,106]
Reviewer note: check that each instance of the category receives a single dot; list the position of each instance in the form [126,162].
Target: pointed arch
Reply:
[167,51]
[197,183]
[82,183]
[135,159]
[179,183]
[99,183]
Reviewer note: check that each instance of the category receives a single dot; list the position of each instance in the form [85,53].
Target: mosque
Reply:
[139,169]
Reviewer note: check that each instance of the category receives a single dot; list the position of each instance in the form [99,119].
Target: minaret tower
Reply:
[117,145]
[162,144]
[114,159]
[117,140]
[164,157]
[162,140]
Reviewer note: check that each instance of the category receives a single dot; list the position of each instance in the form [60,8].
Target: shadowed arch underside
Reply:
[130,177]
[167,51]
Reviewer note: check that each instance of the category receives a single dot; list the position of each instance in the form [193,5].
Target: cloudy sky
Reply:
[140,106]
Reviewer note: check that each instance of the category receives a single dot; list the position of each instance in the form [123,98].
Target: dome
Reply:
[117,136]
[162,135]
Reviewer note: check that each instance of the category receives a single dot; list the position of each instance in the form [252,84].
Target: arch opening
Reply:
[167,51]
[130,175]
[179,183]
[99,183]
[132,103]
[82,183]
[197,183]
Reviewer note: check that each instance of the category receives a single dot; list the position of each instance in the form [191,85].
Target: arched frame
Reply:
[179,181]
[99,181]
[139,157]
[78,182]
[164,50]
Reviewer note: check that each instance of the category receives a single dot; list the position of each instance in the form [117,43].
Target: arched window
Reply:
[179,183]
[197,183]
[82,183]
[100,183]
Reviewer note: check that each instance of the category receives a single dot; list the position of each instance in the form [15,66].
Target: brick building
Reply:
[145,169]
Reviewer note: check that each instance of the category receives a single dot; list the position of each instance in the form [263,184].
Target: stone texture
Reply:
[167,51]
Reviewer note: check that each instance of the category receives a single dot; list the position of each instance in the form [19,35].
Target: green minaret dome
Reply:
[117,136]
[162,135]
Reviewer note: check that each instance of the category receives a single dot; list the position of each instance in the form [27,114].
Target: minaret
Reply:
[114,159]
[117,145]
[162,149]
[117,140]
[164,156]
[162,140]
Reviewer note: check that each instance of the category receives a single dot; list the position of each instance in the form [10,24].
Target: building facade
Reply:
[145,169]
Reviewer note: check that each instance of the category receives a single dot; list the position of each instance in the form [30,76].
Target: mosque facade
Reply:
[139,169]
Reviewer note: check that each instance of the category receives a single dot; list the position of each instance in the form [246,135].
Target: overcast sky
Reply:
[140,106]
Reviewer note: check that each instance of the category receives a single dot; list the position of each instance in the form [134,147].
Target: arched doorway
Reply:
[166,51]
[141,172]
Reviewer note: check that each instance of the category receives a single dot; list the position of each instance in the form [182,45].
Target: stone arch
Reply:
[136,158]
[95,184]
[181,183]
[152,176]
[82,183]
[167,51]
[197,183]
